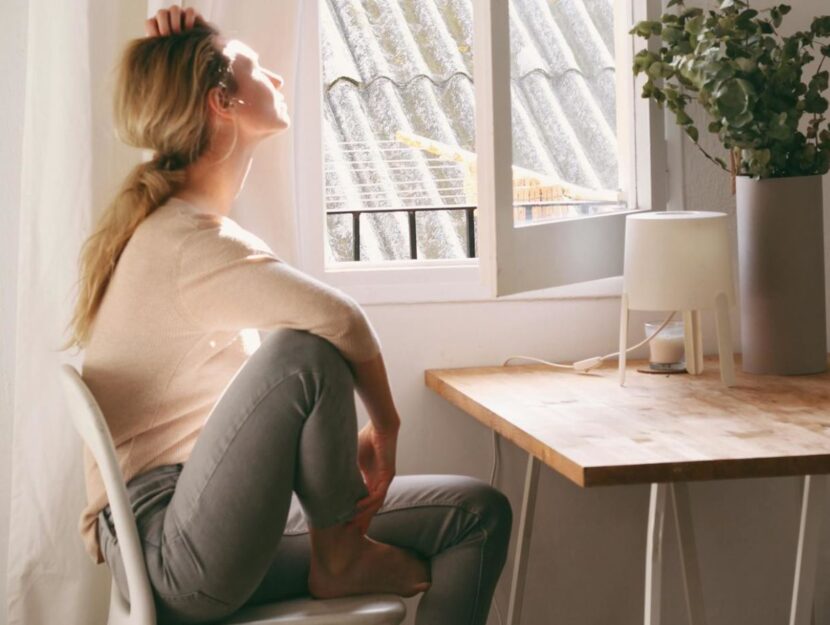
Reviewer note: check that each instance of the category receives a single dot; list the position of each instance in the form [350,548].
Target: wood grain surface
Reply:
[658,428]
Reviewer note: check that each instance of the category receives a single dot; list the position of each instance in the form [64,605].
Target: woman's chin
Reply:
[282,123]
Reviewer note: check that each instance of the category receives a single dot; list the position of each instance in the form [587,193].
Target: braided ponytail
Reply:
[159,104]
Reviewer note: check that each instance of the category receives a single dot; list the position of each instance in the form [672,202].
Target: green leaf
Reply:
[734,97]
[821,26]
[643,60]
[694,25]
[747,15]
[814,102]
[692,132]
[682,118]
[655,70]
[820,81]
[646,28]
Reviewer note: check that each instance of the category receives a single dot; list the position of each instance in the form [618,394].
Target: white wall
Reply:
[587,561]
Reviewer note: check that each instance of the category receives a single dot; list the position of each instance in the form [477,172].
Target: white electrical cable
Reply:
[583,366]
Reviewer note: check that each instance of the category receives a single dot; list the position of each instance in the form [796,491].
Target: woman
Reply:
[214,432]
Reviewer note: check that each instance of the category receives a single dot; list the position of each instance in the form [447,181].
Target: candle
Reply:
[668,347]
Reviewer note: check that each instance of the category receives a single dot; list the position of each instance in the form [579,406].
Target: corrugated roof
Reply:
[393,67]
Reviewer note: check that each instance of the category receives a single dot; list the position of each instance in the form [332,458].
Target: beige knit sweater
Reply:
[178,320]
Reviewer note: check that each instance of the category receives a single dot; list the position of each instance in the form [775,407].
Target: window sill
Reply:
[443,281]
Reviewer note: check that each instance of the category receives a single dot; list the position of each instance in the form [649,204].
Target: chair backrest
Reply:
[91,425]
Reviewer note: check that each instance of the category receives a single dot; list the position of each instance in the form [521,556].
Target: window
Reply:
[403,89]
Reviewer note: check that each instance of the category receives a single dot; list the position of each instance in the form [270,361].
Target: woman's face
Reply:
[259,104]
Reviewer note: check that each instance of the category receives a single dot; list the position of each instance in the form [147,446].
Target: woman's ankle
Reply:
[335,548]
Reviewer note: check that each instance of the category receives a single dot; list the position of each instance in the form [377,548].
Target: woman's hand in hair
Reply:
[172,20]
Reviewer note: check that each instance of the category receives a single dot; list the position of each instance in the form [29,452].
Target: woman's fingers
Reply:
[163,19]
[189,18]
[151,27]
[173,20]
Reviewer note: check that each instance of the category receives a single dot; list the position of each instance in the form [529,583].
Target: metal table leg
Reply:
[813,507]
[688,553]
[517,586]
[654,553]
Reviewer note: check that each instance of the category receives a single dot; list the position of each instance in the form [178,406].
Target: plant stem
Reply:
[709,156]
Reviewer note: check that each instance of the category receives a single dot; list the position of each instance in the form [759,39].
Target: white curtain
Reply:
[72,164]
[47,575]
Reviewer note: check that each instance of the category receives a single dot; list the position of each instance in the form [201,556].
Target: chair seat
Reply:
[356,610]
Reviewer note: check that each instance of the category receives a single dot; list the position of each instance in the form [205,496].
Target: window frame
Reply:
[472,279]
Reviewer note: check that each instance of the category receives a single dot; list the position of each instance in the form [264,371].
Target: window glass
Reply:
[399,122]
[564,108]
[399,127]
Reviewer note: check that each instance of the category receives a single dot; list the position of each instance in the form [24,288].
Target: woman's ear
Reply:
[220,103]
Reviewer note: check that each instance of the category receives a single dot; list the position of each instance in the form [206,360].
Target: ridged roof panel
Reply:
[405,66]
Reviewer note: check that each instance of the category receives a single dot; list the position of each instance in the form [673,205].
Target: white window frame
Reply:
[641,136]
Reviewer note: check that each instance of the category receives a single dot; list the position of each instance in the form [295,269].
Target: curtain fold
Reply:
[48,572]
[72,165]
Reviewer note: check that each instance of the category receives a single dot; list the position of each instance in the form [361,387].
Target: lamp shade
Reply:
[677,260]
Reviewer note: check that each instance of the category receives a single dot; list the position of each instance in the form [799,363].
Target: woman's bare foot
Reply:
[345,563]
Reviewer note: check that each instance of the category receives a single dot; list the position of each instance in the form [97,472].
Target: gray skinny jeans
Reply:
[229,528]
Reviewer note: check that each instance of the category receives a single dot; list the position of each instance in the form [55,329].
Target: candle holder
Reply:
[667,352]
[682,261]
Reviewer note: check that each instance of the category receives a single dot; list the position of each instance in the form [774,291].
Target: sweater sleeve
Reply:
[229,279]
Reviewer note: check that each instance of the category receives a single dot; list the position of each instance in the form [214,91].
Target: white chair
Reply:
[90,423]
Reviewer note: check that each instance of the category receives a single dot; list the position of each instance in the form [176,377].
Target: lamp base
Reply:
[693,343]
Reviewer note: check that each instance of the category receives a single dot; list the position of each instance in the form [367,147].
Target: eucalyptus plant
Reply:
[748,78]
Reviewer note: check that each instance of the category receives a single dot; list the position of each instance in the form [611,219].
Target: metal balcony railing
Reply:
[527,212]
[413,242]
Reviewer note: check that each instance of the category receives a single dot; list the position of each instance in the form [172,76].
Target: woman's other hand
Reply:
[172,20]
[376,458]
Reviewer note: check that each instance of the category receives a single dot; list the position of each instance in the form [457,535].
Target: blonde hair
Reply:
[160,104]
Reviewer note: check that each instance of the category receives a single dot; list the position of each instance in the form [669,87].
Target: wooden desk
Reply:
[659,429]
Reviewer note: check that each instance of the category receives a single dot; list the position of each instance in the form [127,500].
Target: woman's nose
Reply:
[275,78]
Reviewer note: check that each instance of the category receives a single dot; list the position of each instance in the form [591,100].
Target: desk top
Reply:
[658,428]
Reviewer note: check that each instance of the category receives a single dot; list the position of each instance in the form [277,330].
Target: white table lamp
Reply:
[680,260]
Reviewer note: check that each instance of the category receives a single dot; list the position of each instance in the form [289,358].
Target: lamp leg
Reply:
[725,356]
[694,342]
[623,336]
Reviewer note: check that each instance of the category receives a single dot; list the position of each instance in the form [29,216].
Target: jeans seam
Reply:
[242,421]
[480,569]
